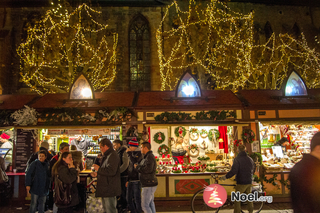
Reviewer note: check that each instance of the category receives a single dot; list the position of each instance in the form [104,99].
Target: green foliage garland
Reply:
[176,131]
[155,137]
[248,136]
[256,155]
[5,118]
[163,147]
[214,115]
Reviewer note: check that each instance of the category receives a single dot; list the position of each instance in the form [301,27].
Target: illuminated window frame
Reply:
[81,76]
[198,89]
[301,89]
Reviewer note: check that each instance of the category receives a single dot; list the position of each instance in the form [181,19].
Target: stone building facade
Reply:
[276,17]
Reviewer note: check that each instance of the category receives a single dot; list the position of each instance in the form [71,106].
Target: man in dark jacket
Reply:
[44,146]
[124,163]
[305,180]
[108,176]
[133,185]
[242,167]
[147,169]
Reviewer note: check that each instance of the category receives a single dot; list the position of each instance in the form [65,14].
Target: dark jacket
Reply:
[134,158]
[124,160]
[34,157]
[305,185]
[242,167]
[38,178]
[147,169]
[69,176]
[108,182]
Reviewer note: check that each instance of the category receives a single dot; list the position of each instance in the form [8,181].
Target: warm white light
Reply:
[86,92]
[231,154]
[288,90]
[188,90]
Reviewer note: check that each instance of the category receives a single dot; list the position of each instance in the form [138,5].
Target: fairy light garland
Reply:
[227,50]
[61,43]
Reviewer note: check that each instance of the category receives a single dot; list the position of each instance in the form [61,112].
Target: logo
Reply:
[215,195]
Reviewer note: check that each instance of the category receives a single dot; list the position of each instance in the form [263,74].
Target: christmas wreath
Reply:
[194,134]
[163,149]
[194,146]
[203,133]
[248,136]
[159,137]
[216,134]
[184,131]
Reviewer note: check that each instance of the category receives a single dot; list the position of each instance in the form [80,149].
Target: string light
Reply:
[221,42]
[63,43]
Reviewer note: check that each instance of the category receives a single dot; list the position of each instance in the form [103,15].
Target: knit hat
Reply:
[4,136]
[44,144]
[133,142]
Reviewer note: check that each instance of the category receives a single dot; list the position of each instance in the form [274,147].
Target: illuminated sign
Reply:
[188,87]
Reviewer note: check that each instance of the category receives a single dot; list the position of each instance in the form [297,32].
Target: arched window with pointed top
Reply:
[81,89]
[188,87]
[139,48]
[295,86]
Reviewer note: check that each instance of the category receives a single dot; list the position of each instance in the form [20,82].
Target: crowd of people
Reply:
[126,177]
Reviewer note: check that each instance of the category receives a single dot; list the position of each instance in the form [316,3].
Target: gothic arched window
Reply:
[139,48]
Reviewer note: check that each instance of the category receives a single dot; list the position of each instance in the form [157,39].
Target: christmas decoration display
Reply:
[204,145]
[64,44]
[25,117]
[193,150]
[203,157]
[176,170]
[203,133]
[238,142]
[163,150]
[159,137]
[180,131]
[220,42]
[194,134]
[214,115]
[248,136]
[216,134]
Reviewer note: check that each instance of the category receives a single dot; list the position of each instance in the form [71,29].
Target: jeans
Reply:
[122,201]
[243,188]
[134,197]
[39,201]
[55,208]
[110,204]
[147,199]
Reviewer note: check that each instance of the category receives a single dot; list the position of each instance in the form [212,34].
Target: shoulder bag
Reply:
[3,176]
[62,192]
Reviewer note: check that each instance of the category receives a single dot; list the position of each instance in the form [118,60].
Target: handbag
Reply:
[94,205]
[62,192]
[3,176]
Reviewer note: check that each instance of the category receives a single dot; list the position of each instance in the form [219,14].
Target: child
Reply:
[37,182]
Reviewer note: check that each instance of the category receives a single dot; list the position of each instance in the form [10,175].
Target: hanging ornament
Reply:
[204,145]
[159,137]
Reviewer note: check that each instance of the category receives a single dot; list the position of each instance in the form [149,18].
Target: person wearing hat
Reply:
[133,184]
[124,163]
[4,139]
[63,147]
[44,146]
[305,180]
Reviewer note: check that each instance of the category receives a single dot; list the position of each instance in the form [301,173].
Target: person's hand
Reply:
[28,191]
[71,165]
[96,167]
[223,178]
[127,184]
[94,174]
[135,165]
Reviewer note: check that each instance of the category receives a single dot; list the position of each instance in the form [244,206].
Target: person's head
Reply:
[105,144]
[283,141]
[73,148]
[133,144]
[45,145]
[42,155]
[4,137]
[65,157]
[241,148]
[64,147]
[145,147]
[117,144]
[315,145]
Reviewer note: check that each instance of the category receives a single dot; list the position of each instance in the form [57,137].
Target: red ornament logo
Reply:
[215,195]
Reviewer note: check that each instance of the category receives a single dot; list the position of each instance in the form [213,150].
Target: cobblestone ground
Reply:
[268,208]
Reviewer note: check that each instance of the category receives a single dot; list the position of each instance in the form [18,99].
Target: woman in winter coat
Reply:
[37,182]
[65,170]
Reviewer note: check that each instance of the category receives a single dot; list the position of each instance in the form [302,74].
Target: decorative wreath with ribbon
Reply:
[193,150]
[180,130]
[194,134]
[216,134]
[248,136]
[203,133]
[163,149]
[159,137]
